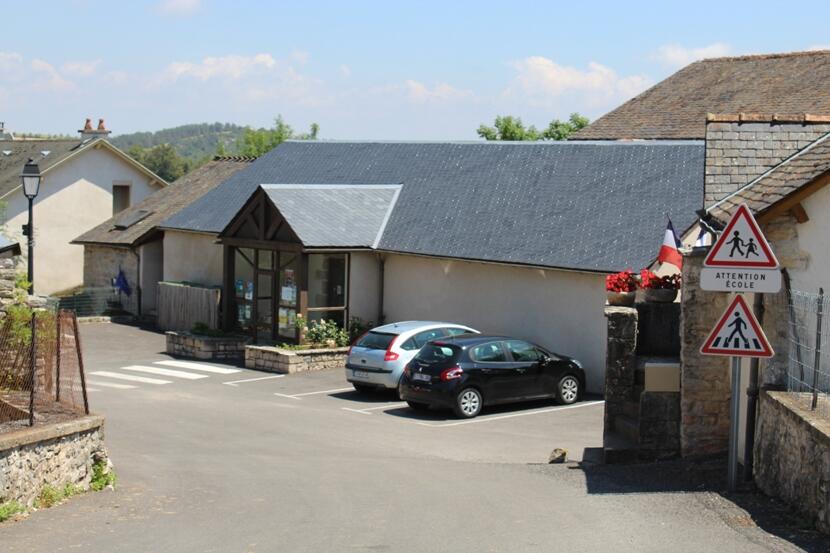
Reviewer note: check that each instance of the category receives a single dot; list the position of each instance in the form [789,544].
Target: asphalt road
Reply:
[220,462]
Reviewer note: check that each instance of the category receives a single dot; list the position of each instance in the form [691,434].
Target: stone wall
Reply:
[101,265]
[737,152]
[704,380]
[194,346]
[55,455]
[8,273]
[659,425]
[278,360]
[621,362]
[792,456]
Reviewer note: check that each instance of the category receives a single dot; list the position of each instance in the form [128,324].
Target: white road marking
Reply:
[355,410]
[110,385]
[323,392]
[284,395]
[164,372]
[88,389]
[198,367]
[235,382]
[501,417]
[385,406]
[131,378]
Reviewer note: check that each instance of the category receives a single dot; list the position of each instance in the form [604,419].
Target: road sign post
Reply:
[741,260]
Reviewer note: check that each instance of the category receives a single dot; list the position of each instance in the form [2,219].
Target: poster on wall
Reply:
[239,286]
[249,290]
[289,277]
[283,320]
[288,294]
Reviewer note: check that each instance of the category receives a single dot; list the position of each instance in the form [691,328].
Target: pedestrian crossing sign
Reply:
[737,334]
[741,245]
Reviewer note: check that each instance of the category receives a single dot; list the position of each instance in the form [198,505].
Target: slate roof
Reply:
[351,216]
[161,204]
[15,153]
[779,182]
[582,206]
[676,107]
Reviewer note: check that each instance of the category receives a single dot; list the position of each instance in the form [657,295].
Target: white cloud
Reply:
[300,57]
[442,92]
[231,67]
[10,61]
[819,47]
[179,7]
[345,71]
[679,56]
[80,68]
[48,78]
[541,81]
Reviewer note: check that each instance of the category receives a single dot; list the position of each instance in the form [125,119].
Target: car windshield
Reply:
[433,353]
[375,340]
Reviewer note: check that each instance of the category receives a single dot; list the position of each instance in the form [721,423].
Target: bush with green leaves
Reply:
[101,477]
[323,332]
[9,509]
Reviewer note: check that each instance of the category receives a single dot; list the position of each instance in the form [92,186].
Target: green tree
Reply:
[256,142]
[161,160]
[511,128]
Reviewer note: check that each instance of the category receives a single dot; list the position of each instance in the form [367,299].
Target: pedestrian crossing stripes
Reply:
[156,373]
[737,343]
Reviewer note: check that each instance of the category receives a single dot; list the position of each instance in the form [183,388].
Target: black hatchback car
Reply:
[469,371]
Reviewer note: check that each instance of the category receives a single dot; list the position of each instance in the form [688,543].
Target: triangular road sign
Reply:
[741,245]
[737,334]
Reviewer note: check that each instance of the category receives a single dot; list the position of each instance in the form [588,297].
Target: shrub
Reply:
[49,496]
[323,332]
[9,509]
[624,281]
[202,329]
[101,477]
[358,328]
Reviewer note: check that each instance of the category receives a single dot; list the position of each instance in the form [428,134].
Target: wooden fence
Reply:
[180,306]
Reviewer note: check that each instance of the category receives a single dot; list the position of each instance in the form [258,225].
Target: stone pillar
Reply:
[704,380]
[621,361]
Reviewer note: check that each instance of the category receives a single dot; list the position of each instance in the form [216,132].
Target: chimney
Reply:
[88,132]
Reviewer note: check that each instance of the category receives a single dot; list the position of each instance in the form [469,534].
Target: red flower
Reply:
[624,281]
[650,280]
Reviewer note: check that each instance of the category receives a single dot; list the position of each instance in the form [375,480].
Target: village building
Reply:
[84,182]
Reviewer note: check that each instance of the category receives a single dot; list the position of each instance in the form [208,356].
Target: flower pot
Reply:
[621,299]
[657,295]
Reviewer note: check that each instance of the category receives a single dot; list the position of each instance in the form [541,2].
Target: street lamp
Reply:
[30,178]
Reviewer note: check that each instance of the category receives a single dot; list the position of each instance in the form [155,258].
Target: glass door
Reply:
[265,296]
[243,285]
[289,266]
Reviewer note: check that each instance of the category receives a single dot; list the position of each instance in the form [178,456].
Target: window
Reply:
[120,197]
[457,331]
[434,354]
[327,286]
[418,341]
[489,353]
[522,351]
[376,340]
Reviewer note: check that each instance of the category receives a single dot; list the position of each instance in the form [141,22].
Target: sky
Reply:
[395,70]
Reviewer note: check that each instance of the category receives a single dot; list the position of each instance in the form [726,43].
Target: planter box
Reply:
[195,346]
[273,359]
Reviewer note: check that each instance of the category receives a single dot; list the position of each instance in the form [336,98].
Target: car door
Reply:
[494,370]
[527,364]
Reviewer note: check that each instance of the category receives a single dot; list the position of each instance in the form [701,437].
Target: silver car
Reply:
[377,359]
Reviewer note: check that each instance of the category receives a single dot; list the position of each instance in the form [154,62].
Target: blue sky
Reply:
[388,70]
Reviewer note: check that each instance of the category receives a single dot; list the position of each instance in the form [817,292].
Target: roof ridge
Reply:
[760,117]
[611,142]
[241,159]
[776,55]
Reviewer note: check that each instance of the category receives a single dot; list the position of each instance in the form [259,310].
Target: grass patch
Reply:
[9,509]
[101,478]
[49,497]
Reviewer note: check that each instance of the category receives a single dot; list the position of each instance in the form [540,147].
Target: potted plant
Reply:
[621,288]
[659,289]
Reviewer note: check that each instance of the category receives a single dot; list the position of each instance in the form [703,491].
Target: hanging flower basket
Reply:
[621,288]
[621,299]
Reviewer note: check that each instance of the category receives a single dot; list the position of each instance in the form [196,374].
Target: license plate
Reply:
[421,377]
[360,374]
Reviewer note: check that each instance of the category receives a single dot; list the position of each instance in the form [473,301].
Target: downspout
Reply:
[752,393]
[381,267]
[137,279]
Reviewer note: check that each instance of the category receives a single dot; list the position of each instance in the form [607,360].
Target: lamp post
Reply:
[30,177]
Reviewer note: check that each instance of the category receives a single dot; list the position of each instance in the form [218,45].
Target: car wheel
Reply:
[363,388]
[468,403]
[418,406]
[568,390]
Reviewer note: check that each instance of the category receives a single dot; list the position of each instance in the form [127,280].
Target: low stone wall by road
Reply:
[278,360]
[792,456]
[195,346]
[55,455]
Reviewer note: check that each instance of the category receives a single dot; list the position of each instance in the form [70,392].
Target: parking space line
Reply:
[285,395]
[323,392]
[197,367]
[355,410]
[513,415]
[235,382]
[164,372]
[131,378]
[386,406]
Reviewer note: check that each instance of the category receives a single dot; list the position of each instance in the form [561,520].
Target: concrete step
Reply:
[628,428]
[618,450]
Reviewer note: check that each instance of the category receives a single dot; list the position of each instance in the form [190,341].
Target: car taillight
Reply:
[452,373]
[391,355]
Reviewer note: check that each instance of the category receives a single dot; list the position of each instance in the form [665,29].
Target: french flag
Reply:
[670,250]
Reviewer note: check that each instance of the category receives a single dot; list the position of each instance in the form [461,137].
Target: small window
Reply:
[120,197]
[522,351]
[488,353]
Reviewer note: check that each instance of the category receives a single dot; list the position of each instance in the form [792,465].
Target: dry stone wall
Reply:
[101,265]
[291,361]
[185,344]
[54,455]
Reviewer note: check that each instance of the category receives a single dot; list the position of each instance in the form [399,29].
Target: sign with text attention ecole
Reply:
[741,260]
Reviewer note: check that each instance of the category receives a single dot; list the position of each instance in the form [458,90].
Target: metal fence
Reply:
[808,372]
[41,370]
[92,302]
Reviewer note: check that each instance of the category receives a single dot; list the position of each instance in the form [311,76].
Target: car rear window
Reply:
[375,340]
[438,354]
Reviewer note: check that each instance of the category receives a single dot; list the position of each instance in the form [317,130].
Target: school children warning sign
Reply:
[741,260]
[737,334]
